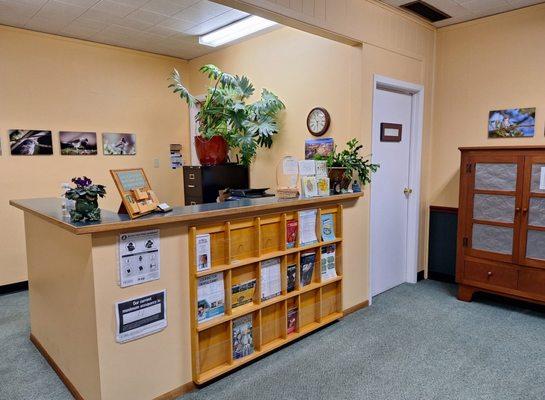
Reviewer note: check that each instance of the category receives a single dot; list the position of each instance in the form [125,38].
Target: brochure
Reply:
[243,293]
[307,227]
[210,297]
[292,277]
[243,341]
[327,261]
[307,268]
[292,320]
[271,280]
[309,186]
[322,185]
[203,252]
[328,227]
[291,233]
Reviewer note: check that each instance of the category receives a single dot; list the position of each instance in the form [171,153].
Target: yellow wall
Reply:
[488,64]
[55,83]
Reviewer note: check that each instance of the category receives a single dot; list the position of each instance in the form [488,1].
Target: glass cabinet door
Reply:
[493,207]
[533,213]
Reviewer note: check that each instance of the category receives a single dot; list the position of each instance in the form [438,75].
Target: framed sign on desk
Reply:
[137,197]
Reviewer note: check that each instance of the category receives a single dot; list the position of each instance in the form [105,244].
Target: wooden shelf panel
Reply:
[244,244]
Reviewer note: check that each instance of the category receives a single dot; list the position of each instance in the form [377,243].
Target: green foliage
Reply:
[225,111]
[352,161]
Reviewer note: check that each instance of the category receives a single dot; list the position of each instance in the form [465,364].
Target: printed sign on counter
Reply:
[141,316]
[139,257]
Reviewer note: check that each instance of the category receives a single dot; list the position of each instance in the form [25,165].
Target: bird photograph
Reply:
[78,143]
[30,142]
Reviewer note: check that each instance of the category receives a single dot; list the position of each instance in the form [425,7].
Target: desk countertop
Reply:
[49,209]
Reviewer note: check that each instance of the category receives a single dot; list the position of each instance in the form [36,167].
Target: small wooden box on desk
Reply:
[238,247]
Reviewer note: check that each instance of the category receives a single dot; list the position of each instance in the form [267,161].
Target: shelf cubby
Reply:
[238,247]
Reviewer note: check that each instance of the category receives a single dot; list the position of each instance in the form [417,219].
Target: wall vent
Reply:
[425,10]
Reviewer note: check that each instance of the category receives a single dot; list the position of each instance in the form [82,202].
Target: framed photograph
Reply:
[119,144]
[78,143]
[514,122]
[321,147]
[390,132]
[30,143]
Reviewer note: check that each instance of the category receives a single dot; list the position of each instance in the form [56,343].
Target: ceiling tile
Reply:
[46,25]
[217,22]
[201,11]
[114,8]
[134,24]
[17,9]
[176,24]
[162,31]
[146,16]
[81,3]
[165,7]
[98,15]
[55,10]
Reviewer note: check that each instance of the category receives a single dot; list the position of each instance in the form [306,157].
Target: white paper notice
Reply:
[290,167]
[542,179]
[307,227]
[307,167]
[141,316]
[271,279]
[139,257]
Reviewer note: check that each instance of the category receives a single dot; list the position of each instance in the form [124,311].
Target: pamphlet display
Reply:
[292,277]
[243,340]
[314,179]
[309,186]
[328,227]
[140,316]
[291,233]
[271,280]
[327,261]
[137,197]
[243,293]
[203,252]
[139,260]
[307,268]
[307,227]
[210,297]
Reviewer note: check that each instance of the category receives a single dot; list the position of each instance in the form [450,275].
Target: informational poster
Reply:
[139,259]
[141,316]
[176,158]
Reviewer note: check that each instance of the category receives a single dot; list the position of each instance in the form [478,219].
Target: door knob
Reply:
[407,191]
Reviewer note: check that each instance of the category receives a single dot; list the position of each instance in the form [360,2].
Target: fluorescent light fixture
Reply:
[235,31]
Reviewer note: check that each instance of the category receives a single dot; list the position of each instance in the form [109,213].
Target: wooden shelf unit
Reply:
[237,249]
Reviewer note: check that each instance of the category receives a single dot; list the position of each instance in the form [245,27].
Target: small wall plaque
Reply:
[390,132]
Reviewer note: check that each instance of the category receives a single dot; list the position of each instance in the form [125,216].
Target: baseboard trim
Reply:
[14,287]
[64,379]
[188,387]
[355,308]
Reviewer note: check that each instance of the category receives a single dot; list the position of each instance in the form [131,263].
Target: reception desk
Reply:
[74,285]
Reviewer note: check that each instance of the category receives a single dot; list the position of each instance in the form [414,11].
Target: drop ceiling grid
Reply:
[466,10]
[166,27]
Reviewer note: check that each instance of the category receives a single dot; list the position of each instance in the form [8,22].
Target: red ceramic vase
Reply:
[213,151]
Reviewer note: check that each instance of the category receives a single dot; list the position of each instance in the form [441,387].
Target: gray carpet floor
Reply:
[415,342]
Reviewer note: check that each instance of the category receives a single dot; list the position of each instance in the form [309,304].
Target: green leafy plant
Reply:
[351,159]
[225,111]
[86,195]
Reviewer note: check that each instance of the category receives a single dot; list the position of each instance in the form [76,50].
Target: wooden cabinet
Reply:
[202,184]
[501,222]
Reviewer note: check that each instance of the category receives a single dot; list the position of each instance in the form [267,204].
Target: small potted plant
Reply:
[226,121]
[344,164]
[86,195]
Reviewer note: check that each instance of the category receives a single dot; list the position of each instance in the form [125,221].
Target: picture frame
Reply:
[390,132]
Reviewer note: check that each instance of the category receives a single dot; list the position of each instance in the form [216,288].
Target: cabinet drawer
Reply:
[192,200]
[532,281]
[497,275]
[192,175]
[192,189]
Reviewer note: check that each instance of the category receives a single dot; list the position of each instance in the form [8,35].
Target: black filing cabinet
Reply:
[442,243]
[202,184]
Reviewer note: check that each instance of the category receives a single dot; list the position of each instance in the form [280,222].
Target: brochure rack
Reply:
[237,249]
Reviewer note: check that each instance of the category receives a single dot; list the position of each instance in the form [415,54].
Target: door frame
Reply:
[415,167]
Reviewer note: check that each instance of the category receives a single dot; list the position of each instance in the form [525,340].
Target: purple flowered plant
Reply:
[82,182]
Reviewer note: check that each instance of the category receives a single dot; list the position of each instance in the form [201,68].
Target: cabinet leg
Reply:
[465,293]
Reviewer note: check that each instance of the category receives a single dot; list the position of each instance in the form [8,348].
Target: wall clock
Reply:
[318,121]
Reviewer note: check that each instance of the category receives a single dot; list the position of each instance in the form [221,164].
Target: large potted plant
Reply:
[226,121]
[343,165]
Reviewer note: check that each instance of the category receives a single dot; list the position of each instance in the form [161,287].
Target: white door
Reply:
[389,202]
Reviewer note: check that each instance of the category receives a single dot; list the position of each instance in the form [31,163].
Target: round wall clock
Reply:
[318,121]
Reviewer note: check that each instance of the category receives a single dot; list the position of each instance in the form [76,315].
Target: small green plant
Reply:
[86,195]
[351,159]
[225,111]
